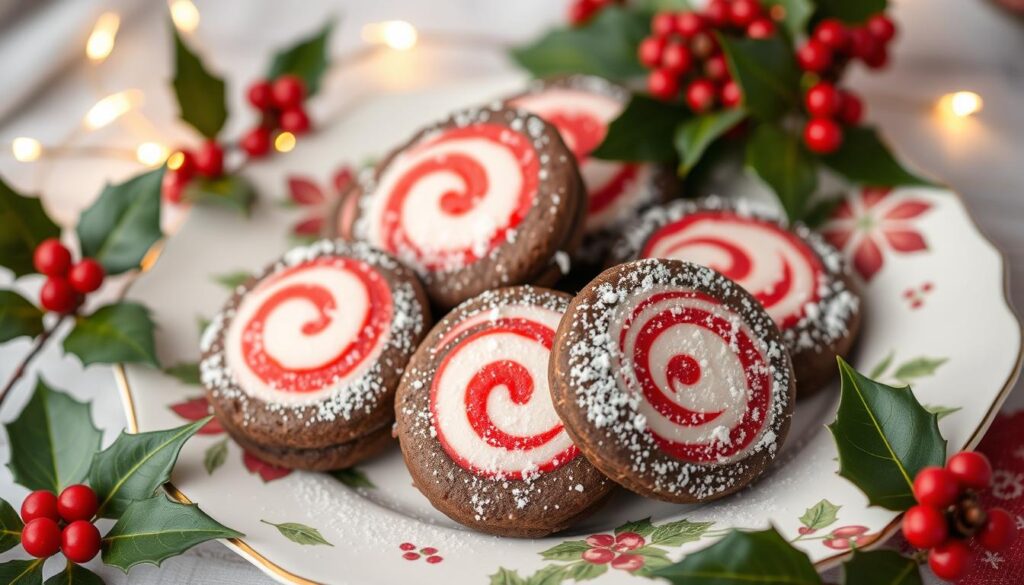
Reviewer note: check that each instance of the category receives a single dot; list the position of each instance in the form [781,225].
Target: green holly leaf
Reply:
[880,566]
[678,533]
[643,132]
[918,368]
[117,333]
[75,575]
[186,373]
[651,6]
[850,11]
[52,441]
[300,533]
[797,13]
[742,558]
[642,527]
[782,161]
[10,527]
[22,572]
[864,159]
[605,46]
[551,575]
[200,94]
[507,577]
[215,456]
[230,191]
[882,366]
[122,225]
[766,72]
[570,550]
[821,211]
[18,317]
[884,437]
[135,465]
[307,59]
[820,515]
[941,411]
[23,225]
[352,477]
[155,529]
[693,136]
[584,571]
[232,280]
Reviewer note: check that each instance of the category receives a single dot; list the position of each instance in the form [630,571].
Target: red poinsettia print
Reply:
[615,551]
[306,193]
[873,222]
[267,471]
[195,409]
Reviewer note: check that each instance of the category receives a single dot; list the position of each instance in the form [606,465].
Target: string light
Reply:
[175,161]
[961,104]
[111,108]
[396,34]
[185,15]
[284,142]
[101,40]
[151,154]
[26,149]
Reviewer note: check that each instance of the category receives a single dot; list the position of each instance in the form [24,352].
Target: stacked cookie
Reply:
[673,373]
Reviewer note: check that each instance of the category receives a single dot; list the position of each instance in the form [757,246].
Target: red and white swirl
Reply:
[309,329]
[489,398]
[450,199]
[703,383]
[582,119]
[774,265]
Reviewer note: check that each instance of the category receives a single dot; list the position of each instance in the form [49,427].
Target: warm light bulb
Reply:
[111,108]
[396,34]
[176,160]
[151,154]
[185,15]
[26,149]
[101,41]
[964,103]
[284,142]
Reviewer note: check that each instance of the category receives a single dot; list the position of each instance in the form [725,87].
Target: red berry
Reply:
[744,12]
[80,541]
[411,556]
[579,12]
[762,28]
[294,120]
[434,559]
[878,58]
[173,185]
[40,504]
[676,58]
[971,469]
[703,45]
[936,487]
[851,109]
[407,546]
[814,56]
[77,502]
[256,142]
[689,23]
[925,527]
[833,34]
[822,100]
[823,135]
[288,91]
[51,258]
[718,12]
[999,531]
[881,27]
[862,43]
[41,538]
[260,96]
[663,24]
[700,95]
[598,556]
[650,51]
[57,295]
[209,159]
[731,95]
[950,560]
[86,276]
[716,68]
[663,84]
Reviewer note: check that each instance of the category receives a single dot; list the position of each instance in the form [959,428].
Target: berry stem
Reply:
[37,346]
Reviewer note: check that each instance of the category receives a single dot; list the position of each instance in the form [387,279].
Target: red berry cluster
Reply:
[207,161]
[280,104]
[61,524]
[682,52]
[948,514]
[829,106]
[833,45]
[66,283]
[581,11]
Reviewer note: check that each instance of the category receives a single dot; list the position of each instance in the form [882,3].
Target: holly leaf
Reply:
[884,437]
[550,575]
[744,557]
[23,225]
[651,6]
[882,366]
[18,317]
[52,441]
[215,456]
[307,59]
[693,136]
[117,333]
[918,368]
[22,572]
[507,577]
[135,465]
[122,225]
[821,211]
[200,94]
[820,515]
[570,550]
[848,11]
[643,132]
[186,373]
[880,566]
[941,411]
[864,159]
[300,533]
[766,72]
[155,529]
[10,527]
[782,161]
[796,15]
[232,280]
[584,571]
[642,527]
[679,532]
[352,477]
[230,191]
[605,46]
[75,575]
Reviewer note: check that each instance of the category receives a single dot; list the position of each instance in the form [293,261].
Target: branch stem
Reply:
[37,346]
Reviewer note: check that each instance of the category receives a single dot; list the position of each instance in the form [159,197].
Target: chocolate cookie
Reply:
[672,380]
[800,279]
[302,363]
[476,425]
[490,197]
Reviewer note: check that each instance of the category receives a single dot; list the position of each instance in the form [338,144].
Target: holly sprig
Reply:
[54,446]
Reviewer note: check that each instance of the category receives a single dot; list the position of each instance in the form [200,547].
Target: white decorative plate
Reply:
[936,316]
